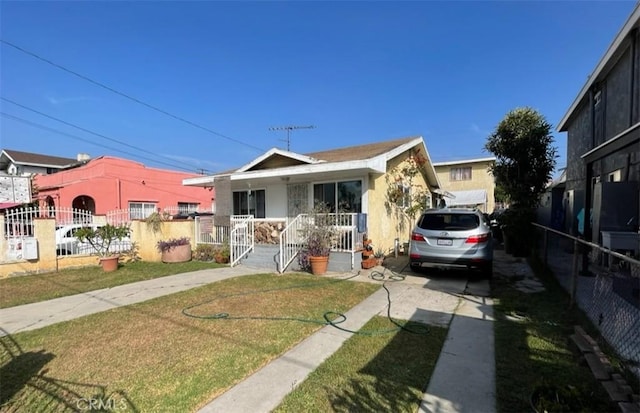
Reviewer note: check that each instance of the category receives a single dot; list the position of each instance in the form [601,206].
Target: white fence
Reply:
[18,227]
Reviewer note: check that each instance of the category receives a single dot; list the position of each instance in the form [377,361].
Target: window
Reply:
[460,174]
[187,207]
[250,202]
[347,195]
[141,210]
[615,176]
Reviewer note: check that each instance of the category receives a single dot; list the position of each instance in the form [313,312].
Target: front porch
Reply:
[274,243]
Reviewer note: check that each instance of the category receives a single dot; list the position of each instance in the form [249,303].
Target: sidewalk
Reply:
[37,315]
[464,376]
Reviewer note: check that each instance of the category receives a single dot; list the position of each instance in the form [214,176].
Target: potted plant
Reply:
[379,255]
[319,233]
[100,239]
[175,249]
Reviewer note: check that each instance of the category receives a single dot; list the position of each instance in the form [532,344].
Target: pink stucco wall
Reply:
[114,182]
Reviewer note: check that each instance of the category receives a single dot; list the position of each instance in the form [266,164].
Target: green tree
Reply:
[525,156]
[525,160]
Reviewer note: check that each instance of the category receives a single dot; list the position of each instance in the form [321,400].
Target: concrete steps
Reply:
[265,256]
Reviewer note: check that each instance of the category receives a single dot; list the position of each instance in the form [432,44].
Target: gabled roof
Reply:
[371,157]
[606,62]
[359,152]
[35,159]
[277,158]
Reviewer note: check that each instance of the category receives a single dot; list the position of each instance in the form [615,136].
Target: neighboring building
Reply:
[281,184]
[603,141]
[105,184]
[470,183]
[27,164]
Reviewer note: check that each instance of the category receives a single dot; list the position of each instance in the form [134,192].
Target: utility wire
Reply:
[48,129]
[84,129]
[110,89]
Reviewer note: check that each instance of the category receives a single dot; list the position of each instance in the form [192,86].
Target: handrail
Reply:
[241,238]
[291,241]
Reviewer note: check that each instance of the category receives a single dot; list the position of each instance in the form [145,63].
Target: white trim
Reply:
[465,161]
[632,21]
[276,151]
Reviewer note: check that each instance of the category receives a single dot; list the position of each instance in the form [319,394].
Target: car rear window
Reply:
[449,222]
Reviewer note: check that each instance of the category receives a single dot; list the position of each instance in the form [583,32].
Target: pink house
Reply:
[108,183]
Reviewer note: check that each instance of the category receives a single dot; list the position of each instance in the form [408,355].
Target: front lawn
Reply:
[372,373]
[151,357]
[533,348]
[39,287]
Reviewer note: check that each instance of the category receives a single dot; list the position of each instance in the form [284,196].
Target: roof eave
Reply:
[631,22]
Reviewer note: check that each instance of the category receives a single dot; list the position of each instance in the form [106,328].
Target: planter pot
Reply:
[318,265]
[369,263]
[109,264]
[180,253]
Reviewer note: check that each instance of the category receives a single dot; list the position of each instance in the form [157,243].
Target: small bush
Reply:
[204,252]
[166,245]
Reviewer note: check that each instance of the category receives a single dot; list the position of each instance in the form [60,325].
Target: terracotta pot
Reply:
[369,263]
[318,265]
[180,253]
[109,263]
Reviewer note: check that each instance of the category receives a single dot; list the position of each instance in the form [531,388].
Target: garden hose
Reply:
[331,318]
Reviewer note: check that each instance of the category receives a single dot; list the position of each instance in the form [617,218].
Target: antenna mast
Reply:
[289,129]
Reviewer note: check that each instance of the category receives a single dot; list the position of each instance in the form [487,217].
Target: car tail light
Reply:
[417,237]
[477,239]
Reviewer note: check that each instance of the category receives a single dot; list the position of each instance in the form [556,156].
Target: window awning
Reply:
[472,197]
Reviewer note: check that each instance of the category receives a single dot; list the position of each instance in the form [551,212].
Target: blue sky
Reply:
[359,72]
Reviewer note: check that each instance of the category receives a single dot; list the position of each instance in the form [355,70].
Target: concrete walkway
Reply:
[464,376]
[37,315]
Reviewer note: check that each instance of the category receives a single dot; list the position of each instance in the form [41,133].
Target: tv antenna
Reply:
[289,129]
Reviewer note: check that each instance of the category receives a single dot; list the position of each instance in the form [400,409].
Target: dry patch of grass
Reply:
[151,357]
[372,373]
[39,287]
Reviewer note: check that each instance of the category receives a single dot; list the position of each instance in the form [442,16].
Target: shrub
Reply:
[167,245]
[205,252]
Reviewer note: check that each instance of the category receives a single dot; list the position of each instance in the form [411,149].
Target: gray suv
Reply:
[452,238]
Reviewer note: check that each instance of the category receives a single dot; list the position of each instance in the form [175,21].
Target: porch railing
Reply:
[292,238]
[241,240]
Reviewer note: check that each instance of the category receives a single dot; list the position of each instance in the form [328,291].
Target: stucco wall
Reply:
[618,96]
[481,178]
[114,182]
[141,233]
[385,223]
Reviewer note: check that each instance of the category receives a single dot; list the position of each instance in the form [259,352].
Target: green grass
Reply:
[39,287]
[150,357]
[532,346]
[372,373]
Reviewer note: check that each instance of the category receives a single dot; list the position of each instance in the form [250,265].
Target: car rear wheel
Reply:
[415,267]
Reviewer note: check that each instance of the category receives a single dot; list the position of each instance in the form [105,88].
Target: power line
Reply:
[110,89]
[81,128]
[289,129]
[48,129]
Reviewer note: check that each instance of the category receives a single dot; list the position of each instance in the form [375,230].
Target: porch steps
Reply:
[266,257]
[263,256]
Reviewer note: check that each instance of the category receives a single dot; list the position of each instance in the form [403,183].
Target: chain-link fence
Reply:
[605,284]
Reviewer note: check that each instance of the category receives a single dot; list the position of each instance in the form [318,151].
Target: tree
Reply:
[525,156]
